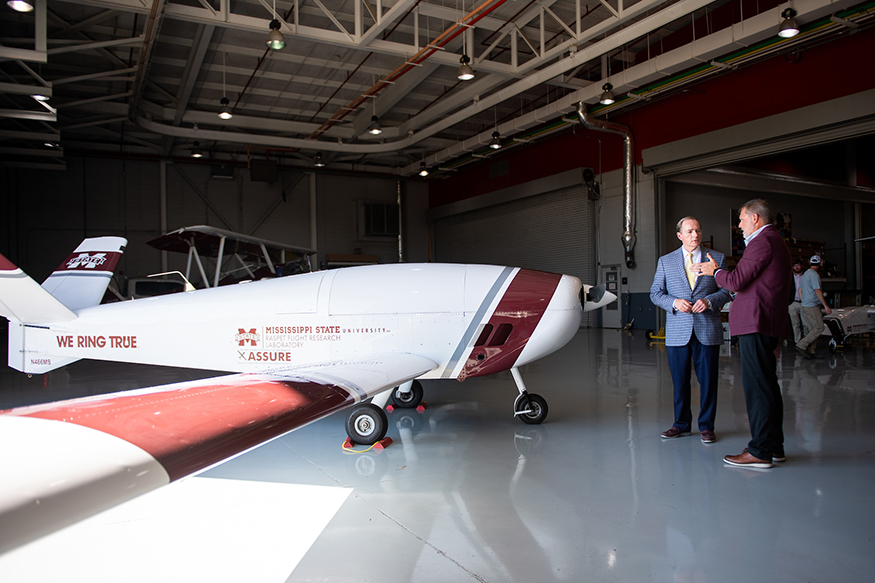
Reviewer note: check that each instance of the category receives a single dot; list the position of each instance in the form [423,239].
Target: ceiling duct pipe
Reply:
[628,184]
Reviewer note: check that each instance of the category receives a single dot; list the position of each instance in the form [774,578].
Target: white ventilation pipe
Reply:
[628,183]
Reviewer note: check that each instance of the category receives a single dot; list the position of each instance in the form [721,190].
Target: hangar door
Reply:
[549,232]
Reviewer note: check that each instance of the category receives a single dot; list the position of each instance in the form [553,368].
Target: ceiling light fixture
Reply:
[44,101]
[318,162]
[495,144]
[20,5]
[196,150]
[375,128]
[275,39]
[423,171]
[607,97]
[225,111]
[466,73]
[788,28]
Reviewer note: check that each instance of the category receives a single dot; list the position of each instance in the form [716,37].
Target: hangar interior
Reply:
[722,111]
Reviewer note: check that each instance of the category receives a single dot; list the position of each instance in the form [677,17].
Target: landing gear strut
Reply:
[529,407]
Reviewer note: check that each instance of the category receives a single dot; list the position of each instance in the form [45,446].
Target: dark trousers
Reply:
[680,361]
[762,395]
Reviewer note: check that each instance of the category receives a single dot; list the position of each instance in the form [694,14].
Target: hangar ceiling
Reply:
[141,78]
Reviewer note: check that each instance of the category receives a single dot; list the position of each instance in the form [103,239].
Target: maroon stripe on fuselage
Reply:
[193,427]
[522,306]
[6,265]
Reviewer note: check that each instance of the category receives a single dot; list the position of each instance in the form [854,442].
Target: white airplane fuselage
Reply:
[470,319]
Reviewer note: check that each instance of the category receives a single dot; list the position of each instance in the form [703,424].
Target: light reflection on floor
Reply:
[467,493]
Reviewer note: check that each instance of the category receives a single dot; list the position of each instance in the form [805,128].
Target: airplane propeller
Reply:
[594,297]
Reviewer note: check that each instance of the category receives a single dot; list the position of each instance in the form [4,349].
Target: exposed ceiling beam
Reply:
[22,89]
[33,115]
[119,42]
[153,26]
[193,67]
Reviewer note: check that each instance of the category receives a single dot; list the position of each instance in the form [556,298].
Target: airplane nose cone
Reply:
[560,322]
[595,297]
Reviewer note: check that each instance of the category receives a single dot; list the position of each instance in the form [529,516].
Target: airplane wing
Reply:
[65,461]
[208,241]
[252,253]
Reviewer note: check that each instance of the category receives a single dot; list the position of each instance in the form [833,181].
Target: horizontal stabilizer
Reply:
[81,280]
[22,299]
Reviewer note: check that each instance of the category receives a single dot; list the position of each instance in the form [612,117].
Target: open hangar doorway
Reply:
[816,212]
[815,166]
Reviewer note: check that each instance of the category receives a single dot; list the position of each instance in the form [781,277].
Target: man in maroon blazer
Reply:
[758,318]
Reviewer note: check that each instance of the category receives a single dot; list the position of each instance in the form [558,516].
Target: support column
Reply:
[313,238]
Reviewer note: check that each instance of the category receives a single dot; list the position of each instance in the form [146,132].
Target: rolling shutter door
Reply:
[549,232]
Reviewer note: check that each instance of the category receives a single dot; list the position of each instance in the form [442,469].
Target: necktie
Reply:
[691,276]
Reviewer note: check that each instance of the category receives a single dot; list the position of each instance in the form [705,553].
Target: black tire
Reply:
[366,424]
[649,334]
[833,346]
[411,400]
[538,407]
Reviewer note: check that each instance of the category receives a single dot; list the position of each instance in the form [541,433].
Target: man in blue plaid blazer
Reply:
[693,332]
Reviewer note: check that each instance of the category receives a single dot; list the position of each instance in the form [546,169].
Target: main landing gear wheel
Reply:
[366,424]
[409,400]
[530,408]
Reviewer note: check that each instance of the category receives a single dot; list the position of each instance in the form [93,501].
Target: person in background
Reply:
[812,300]
[795,308]
[693,332]
[758,319]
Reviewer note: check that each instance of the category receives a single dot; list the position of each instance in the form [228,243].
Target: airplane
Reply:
[255,257]
[301,348]
[845,322]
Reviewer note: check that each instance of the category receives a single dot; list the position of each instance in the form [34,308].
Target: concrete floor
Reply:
[467,493]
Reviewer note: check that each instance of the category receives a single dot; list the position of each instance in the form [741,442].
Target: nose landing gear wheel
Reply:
[366,424]
[530,408]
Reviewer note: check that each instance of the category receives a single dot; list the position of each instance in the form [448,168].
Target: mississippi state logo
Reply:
[243,337]
[86,261]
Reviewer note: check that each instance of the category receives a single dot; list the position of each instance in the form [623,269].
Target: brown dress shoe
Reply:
[673,432]
[746,460]
[708,436]
[777,458]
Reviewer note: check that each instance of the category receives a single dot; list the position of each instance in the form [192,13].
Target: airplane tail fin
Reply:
[81,280]
[27,306]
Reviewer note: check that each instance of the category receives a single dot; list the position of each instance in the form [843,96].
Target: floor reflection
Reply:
[467,492]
